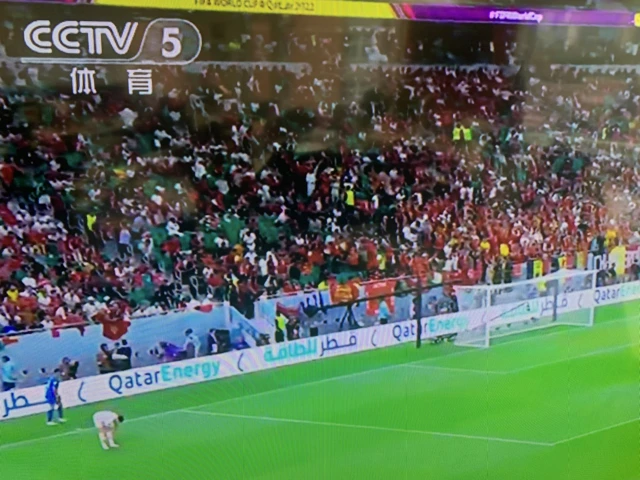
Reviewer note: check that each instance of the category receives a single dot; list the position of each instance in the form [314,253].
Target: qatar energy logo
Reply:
[163,41]
[127,383]
[622,292]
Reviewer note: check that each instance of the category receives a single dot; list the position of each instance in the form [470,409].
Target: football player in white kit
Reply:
[106,423]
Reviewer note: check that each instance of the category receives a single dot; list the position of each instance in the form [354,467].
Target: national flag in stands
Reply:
[8,340]
[344,292]
[205,308]
[71,320]
[115,329]
[378,289]
[289,312]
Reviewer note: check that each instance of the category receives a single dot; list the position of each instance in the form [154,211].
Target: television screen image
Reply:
[319,239]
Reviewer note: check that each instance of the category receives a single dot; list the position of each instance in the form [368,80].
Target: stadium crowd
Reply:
[235,180]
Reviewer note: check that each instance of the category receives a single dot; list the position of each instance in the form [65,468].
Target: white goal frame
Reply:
[559,306]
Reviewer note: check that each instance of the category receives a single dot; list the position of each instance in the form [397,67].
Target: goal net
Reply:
[561,298]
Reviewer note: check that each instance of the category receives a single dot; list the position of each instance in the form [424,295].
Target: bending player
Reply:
[52,396]
[106,423]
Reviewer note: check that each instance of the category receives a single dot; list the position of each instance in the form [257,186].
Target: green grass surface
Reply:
[561,403]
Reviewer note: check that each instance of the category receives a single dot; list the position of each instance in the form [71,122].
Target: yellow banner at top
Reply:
[322,8]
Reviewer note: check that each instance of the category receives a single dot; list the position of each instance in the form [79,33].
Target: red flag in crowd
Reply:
[9,340]
[115,329]
[71,320]
[344,292]
[205,308]
[115,321]
[287,311]
[377,289]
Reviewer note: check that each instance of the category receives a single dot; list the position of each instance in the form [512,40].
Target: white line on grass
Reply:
[528,367]
[31,441]
[368,427]
[209,404]
[317,382]
[78,431]
[523,340]
[599,430]
[527,339]
[454,369]
[577,357]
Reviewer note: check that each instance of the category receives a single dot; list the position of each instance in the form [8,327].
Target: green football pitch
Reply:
[561,403]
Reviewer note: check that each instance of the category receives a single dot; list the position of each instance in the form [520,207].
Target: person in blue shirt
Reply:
[53,398]
[9,374]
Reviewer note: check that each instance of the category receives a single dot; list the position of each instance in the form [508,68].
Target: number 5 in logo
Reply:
[171,38]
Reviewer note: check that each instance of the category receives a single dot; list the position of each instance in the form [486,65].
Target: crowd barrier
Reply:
[312,307]
[143,335]
[592,68]
[30,401]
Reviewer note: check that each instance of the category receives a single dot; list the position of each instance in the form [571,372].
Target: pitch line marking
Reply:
[367,427]
[595,353]
[454,369]
[599,430]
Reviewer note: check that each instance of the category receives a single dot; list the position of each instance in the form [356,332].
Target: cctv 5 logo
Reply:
[42,38]
[164,41]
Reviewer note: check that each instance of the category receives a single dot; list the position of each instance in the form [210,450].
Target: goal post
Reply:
[562,298]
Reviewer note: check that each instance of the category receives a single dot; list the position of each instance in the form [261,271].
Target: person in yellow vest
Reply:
[350,203]
[350,197]
[610,237]
[468,134]
[91,229]
[281,327]
[456,136]
[562,262]
[13,294]
[538,268]
[91,220]
[382,261]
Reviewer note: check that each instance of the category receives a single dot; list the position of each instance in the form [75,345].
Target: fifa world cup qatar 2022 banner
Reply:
[30,401]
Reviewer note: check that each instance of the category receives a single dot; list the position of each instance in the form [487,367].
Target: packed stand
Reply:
[247,179]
